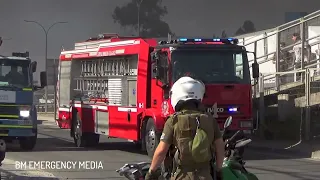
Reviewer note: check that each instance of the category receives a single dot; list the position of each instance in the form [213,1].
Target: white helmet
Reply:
[186,88]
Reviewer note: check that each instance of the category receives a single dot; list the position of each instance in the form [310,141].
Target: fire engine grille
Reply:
[9,112]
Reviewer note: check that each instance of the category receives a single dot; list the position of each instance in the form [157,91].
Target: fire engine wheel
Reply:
[78,137]
[152,137]
[82,139]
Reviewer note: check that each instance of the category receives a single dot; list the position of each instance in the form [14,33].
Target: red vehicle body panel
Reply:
[225,95]
[125,122]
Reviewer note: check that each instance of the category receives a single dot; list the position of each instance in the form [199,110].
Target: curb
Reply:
[287,152]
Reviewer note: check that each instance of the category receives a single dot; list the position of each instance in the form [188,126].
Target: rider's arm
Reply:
[164,145]
[219,145]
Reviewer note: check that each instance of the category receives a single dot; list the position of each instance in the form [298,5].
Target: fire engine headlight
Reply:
[246,124]
[25,112]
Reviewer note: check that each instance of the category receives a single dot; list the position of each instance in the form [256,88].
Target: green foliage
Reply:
[224,34]
[247,27]
[151,14]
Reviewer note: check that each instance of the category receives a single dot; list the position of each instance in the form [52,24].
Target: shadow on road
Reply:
[41,121]
[6,175]
[59,140]
[44,122]
[54,143]
[260,153]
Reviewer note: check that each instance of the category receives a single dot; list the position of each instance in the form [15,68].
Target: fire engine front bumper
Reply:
[17,128]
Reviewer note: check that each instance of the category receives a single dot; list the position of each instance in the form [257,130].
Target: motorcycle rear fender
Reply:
[229,173]
[233,170]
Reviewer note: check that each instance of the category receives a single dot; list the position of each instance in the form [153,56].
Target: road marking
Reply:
[9,165]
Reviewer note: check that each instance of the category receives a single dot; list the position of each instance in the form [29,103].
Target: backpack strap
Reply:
[176,154]
[198,121]
[211,145]
[175,117]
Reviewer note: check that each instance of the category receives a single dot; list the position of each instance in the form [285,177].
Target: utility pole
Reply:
[3,39]
[139,5]
[46,31]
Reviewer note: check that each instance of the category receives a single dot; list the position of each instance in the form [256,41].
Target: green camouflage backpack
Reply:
[193,132]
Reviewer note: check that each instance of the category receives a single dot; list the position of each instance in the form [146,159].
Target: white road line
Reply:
[10,166]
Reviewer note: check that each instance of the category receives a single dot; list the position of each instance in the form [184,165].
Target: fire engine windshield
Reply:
[219,66]
[14,73]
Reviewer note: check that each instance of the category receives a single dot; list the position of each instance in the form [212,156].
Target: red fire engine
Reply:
[119,86]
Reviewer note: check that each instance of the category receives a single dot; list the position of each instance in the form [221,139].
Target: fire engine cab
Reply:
[119,86]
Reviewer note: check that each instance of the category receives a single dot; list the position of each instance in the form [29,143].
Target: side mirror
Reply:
[156,61]
[155,71]
[255,66]
[228,122]
[255,70]
[43,78]
[33,66]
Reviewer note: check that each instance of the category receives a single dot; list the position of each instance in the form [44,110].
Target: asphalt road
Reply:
[55,144]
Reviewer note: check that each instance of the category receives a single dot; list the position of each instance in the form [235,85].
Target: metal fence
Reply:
[46,101]
[290,90]
[40,99]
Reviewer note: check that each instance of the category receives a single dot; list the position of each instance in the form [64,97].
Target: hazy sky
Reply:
[90,17]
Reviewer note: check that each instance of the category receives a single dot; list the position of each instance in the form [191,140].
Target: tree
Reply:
[151,14]
[247,27]
[224,34]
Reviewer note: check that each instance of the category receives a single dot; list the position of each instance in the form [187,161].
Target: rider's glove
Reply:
[219,175]
[153,175]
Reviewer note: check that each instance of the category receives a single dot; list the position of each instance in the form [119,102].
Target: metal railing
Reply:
[299,79]
[264,58]
[305,93]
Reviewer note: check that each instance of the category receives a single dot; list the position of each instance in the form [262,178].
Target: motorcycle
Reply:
[232,169]
[134,171]
[3,148]
[233,164]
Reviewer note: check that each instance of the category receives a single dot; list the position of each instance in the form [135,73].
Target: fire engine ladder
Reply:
[98,77]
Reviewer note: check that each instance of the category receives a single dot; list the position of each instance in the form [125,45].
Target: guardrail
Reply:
[282,34]
[299,80]
[304,92]
[41,108]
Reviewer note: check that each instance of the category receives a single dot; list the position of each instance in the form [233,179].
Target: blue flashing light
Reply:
[183,39]
[19,54]
[223,40]
[233,109]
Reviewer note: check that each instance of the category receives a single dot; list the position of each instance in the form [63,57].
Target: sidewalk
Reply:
[46,119]
[303,149]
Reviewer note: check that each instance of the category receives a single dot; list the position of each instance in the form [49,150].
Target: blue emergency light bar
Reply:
[222,40]
[19,54]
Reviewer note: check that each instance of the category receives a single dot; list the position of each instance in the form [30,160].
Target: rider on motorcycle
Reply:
[186,96]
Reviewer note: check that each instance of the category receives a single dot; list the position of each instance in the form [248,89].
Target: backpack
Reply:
[193,132]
